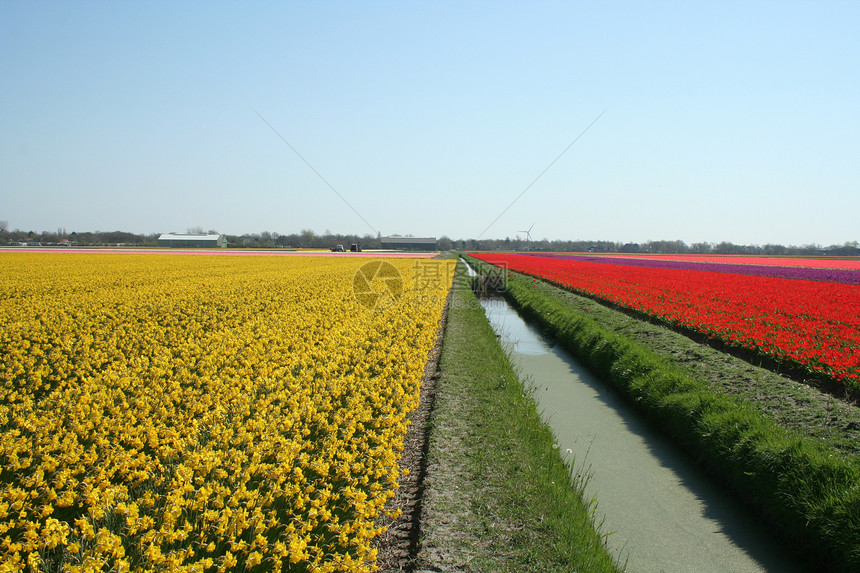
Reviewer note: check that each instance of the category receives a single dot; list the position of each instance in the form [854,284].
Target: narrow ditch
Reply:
[661,512]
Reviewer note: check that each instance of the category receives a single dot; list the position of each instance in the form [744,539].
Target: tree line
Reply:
[308,239]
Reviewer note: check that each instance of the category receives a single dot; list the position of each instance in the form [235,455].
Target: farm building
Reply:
[191,241]
[409,243]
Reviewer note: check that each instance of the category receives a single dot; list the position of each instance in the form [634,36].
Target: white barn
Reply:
[189,241]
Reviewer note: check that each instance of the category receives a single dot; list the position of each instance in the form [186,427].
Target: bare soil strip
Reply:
[398,544]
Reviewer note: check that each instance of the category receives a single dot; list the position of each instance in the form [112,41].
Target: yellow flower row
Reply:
[205,413]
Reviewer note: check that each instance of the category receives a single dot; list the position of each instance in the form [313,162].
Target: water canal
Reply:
[662,512]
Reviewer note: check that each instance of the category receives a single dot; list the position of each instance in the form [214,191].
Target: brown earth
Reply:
[398,544]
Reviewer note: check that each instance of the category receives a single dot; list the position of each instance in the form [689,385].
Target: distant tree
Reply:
[307,240]
[369,241]
[770,249]
[267,240]
[84,238]
[810,249]
[195,231]
[849,248]
[667,247]
[726,248]
[4,226]
[119,237]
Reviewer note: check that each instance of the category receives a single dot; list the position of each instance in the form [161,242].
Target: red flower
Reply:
[805,322]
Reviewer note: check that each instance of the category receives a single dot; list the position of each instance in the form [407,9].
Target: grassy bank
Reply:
[806,488]
[497,495]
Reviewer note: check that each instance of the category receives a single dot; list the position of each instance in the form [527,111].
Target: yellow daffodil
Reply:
[149,420]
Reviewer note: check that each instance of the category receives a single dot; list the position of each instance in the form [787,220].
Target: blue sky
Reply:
[724,121]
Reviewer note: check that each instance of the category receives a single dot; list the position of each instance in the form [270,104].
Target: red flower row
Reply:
[812,324]
[822,263]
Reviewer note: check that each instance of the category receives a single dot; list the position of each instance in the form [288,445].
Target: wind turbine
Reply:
[528,233]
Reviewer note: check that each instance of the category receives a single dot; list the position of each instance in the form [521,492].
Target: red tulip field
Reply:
[795,311]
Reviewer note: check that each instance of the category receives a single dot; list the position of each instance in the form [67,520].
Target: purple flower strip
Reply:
[844,276]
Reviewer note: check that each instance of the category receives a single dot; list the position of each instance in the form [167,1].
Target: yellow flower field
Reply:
[205,413]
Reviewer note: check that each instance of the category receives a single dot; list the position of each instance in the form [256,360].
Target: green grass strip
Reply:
[808,493]
[498,495]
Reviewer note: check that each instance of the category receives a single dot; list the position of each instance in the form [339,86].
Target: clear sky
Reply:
[724,121]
